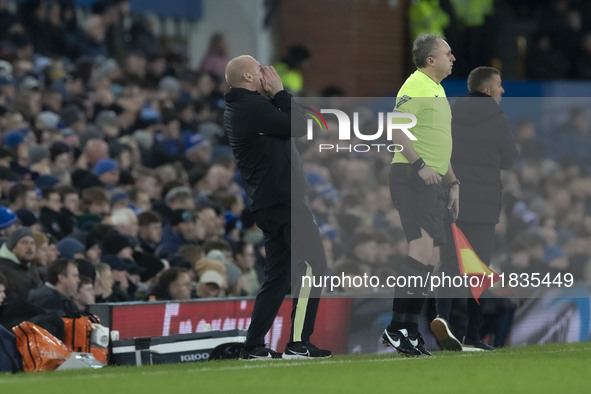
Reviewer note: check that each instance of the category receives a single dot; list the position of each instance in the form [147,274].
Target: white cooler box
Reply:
[179,348]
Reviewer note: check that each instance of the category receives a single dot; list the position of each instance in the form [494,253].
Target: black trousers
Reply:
[482,238]
[293,249]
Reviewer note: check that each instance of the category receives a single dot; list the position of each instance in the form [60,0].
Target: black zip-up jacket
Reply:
[482,146]
[260,134]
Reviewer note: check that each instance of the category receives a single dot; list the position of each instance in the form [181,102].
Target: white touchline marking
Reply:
[245,365]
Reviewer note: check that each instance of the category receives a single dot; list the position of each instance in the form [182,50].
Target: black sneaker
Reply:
[304,350]
[476,345]
[258,353]
[444,336]
[399,340]
[416,339]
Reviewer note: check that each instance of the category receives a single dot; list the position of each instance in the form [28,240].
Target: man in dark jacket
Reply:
[180,231]
[70,208]
[16,255]
[482,147]
[56,295]
[51,205]
[260,134]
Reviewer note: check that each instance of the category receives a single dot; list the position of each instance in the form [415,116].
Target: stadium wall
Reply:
[346,47]
[344,325]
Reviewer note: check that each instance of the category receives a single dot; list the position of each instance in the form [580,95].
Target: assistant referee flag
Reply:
[471,265]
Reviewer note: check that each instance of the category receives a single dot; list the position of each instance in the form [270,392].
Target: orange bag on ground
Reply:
[41,351]
[78,333]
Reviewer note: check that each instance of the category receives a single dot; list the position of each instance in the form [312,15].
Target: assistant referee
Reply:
[422,184]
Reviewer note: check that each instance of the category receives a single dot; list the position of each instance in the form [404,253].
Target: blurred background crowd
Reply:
[113,154]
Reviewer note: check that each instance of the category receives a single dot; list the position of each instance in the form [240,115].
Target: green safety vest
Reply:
[292,79]
[426,16]
[472,12]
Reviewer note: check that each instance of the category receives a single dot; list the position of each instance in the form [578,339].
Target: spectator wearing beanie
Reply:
[16,255]
[70,248]
[197,151]
[107,171]
[12,139]
[119,199]
[150,265]
[28,219]
[39,159]
[8,220]
[92,250]
[119,245]
[119,272]
[108,125]
[73,117]
[118,253]
[46,181]
[86,269]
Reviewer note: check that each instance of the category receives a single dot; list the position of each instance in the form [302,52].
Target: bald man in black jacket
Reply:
[482,147]
[258,120]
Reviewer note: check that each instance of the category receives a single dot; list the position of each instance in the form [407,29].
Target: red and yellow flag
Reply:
[471,265]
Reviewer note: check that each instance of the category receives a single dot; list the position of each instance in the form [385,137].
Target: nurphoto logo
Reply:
[347,129]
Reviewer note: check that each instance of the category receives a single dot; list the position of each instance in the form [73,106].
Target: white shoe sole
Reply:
[300,357]
[444,336]
[467,348]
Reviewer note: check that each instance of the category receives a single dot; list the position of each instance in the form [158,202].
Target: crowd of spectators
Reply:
[530,39]
[116,179]
[560,47]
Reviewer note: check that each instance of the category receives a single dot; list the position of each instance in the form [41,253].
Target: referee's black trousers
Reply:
[293,249]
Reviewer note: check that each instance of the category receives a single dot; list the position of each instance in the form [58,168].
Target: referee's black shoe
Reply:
[399,339]
[416,339]
[258,353]
[472,344]
[304,350]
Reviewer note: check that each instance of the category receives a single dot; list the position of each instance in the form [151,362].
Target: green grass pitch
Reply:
[559,368]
